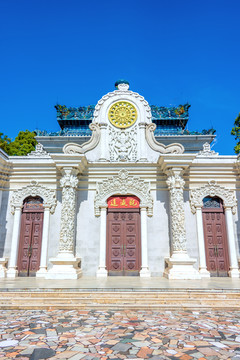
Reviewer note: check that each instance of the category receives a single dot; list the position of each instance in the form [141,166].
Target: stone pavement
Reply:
[113,335]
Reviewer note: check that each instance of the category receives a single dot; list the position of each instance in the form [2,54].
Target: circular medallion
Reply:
[122,114]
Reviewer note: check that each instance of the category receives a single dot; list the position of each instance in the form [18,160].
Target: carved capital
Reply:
[174,179]
[69,178]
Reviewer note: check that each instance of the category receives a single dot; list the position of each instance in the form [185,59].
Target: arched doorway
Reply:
[215,236]
[123,236]
[30,236]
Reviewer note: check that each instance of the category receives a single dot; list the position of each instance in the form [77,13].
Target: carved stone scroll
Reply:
[72,148]
[174,148]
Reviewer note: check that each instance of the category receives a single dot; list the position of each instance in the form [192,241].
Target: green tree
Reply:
[23,144]
[236,132]
[4,142]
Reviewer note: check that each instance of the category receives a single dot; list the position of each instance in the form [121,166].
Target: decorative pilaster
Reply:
[180,266]
[201,246]
[102,272]
[103,141]
[234,271]
[12,266]
[65,265]
[144,272]
[142,145]
[43,264]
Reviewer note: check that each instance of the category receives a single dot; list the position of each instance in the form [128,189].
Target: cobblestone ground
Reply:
[106,335]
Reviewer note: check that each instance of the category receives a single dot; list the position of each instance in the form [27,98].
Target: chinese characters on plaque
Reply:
[123,202]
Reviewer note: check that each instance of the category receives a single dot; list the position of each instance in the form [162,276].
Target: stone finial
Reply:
[122,85]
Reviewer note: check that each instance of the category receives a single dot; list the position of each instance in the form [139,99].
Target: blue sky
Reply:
[72,52]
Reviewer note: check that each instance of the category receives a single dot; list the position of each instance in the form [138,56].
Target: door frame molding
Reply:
[22,229]
[49,203]
[228,196]
[226,247]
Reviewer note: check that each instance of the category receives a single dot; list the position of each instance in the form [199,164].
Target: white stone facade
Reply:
[76,183]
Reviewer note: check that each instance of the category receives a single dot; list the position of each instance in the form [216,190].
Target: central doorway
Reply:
[123,236]
[30,243]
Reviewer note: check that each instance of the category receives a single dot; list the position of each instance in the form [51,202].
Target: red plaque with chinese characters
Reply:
[123,202]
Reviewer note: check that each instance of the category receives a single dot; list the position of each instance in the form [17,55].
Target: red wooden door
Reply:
[123,242]
[30,237]
[216,241]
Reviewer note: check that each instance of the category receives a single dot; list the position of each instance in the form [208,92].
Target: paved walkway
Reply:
[120,283]
[94,335]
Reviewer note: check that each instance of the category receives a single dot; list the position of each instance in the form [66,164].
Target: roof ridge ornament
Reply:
[207,151]
[122,85]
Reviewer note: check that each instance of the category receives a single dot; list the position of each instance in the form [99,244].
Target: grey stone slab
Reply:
[121,347]
[42,353]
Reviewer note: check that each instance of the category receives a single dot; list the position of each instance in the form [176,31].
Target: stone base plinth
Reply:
[12,273]
[41,273]
[204,273]
[144,272]
[180,266]
[64,268]
[102,272]
[3,269]
[233,273]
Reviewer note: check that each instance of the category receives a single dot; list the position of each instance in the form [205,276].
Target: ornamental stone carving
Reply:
[123,144]
[39,152]
[174,148]
[207,151]
[72,148]
[213,189]
[34,189]
[123,184]
[67,232]
[123,90]
[176,184]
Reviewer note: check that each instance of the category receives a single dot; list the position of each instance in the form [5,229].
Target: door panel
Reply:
[30,243]
[123,243]
[215,241]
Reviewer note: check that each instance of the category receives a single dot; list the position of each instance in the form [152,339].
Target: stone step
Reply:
[119,300]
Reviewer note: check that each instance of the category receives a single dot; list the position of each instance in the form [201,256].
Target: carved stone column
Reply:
[180,265]
[65,265]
